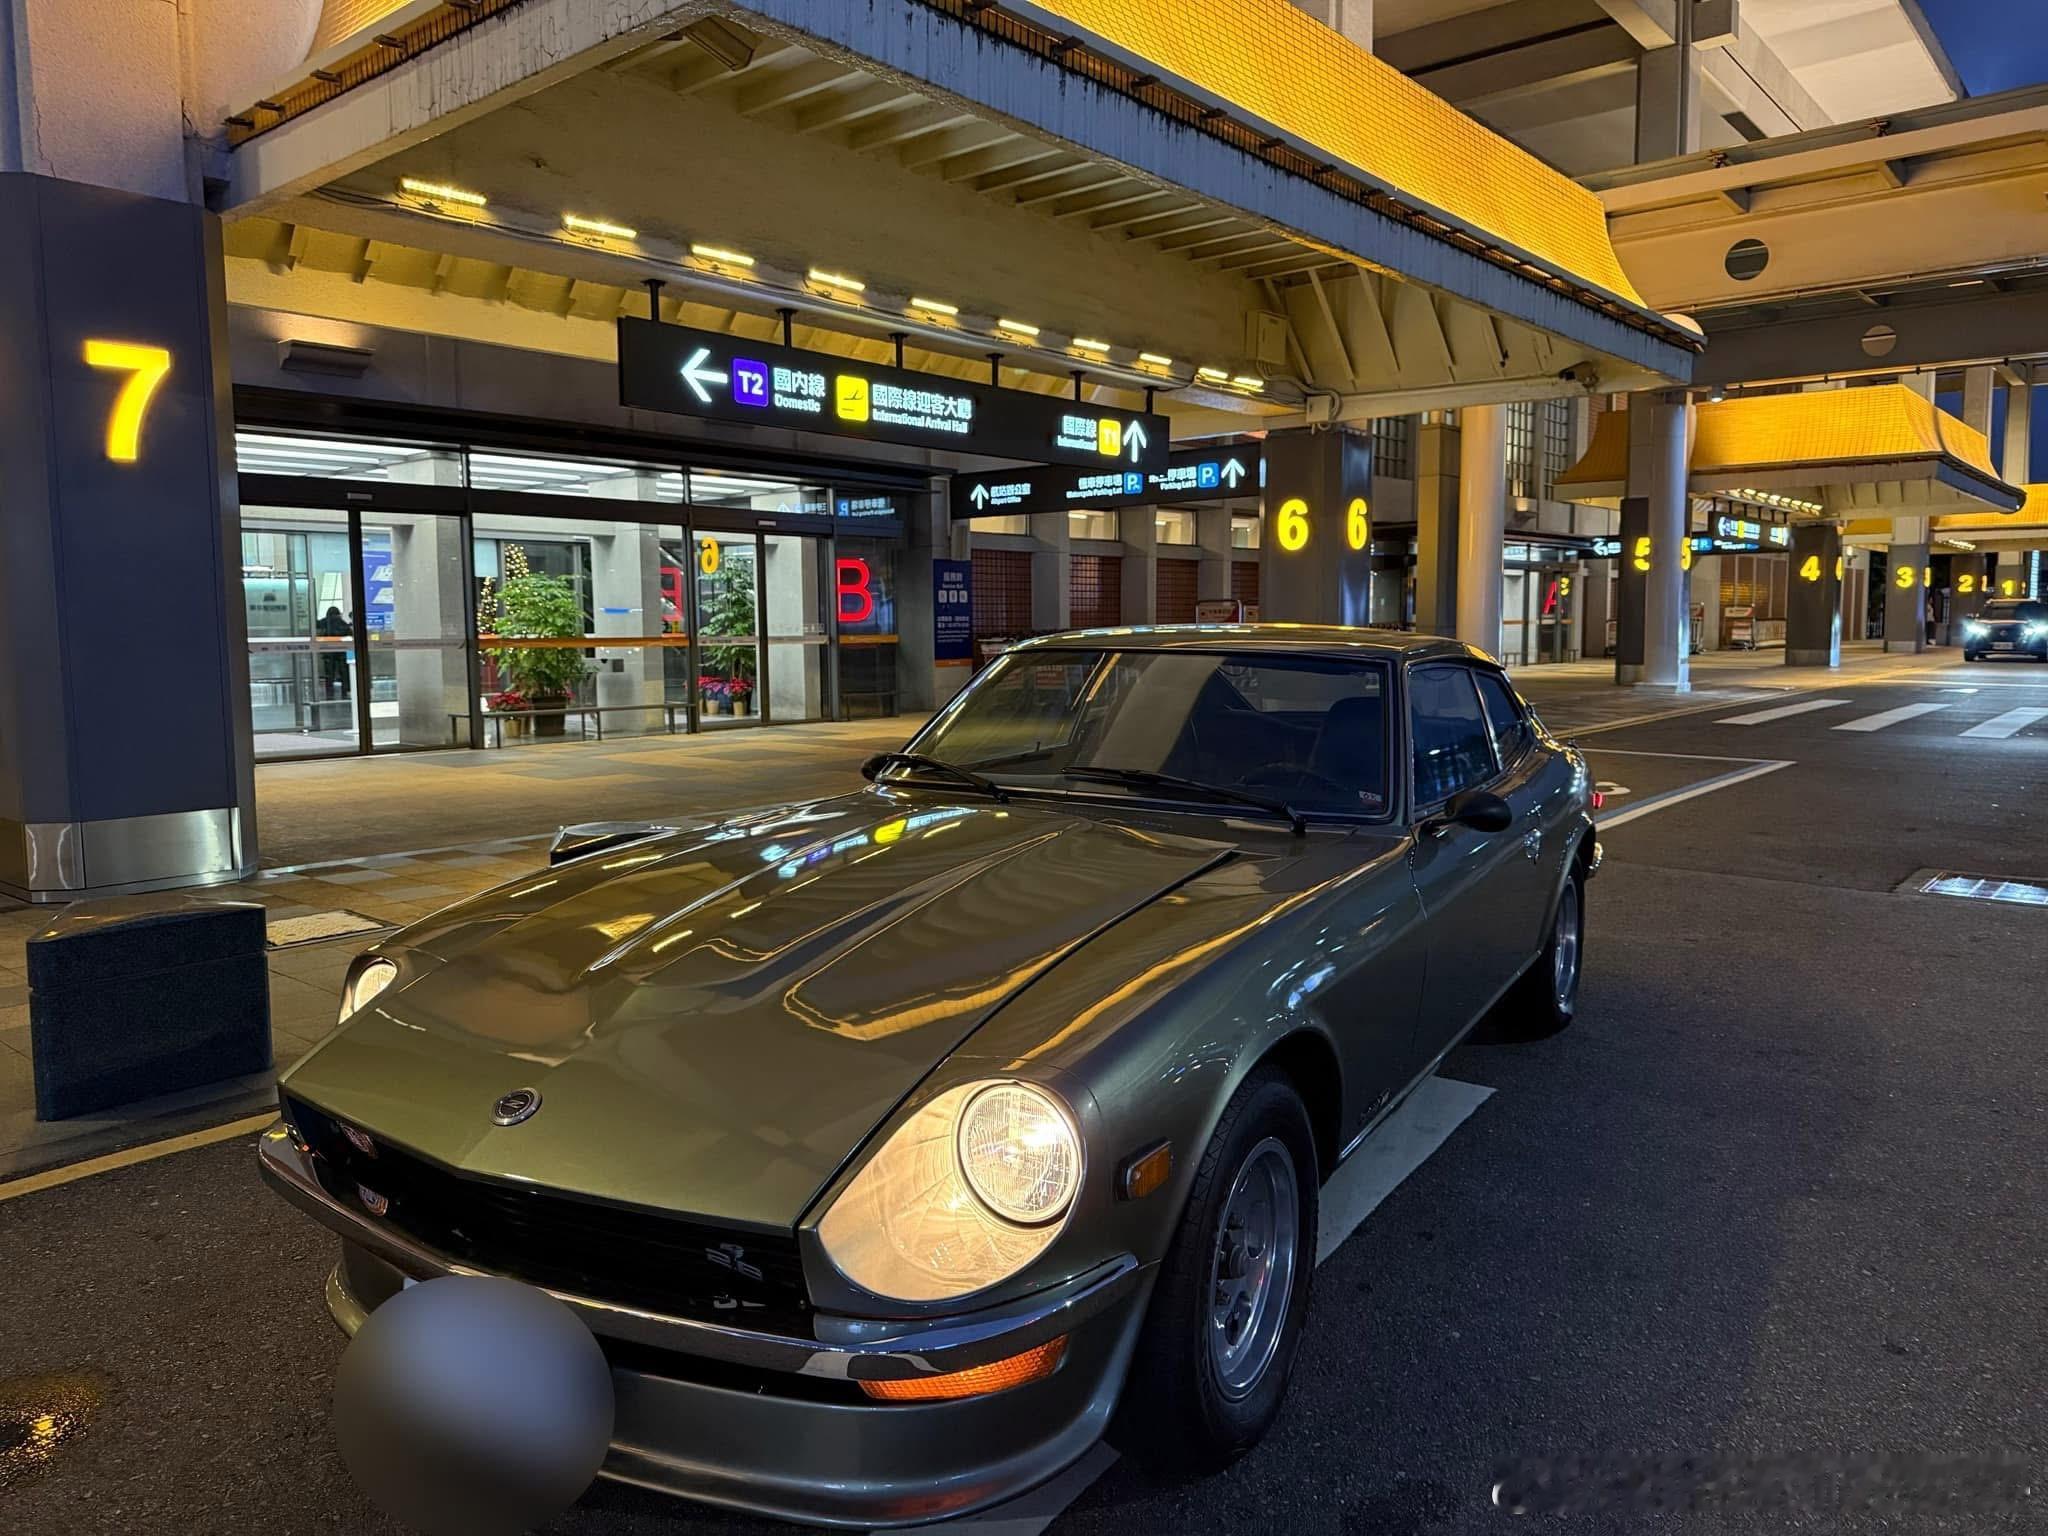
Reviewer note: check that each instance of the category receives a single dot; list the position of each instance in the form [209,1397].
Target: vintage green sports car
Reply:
[897,1146]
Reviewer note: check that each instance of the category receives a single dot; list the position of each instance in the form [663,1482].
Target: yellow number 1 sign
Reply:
[145,367]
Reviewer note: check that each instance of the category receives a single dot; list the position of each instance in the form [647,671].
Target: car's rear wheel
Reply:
[1212,1364]
[1546,999]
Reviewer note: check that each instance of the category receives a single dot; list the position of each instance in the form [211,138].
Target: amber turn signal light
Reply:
[1146,1172]
[1034,1364]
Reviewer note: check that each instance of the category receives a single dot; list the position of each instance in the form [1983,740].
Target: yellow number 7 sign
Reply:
[145,367]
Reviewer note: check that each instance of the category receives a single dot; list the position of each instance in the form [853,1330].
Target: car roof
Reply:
[1335,640]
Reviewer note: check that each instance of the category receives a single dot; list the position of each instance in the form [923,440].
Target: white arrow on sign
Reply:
[1134,434]
[1232,473]
[979,495]
[696,375]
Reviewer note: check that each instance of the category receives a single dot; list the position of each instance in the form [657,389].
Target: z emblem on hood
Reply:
[515,1106]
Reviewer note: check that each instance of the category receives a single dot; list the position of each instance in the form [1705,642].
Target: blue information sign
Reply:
[952,610]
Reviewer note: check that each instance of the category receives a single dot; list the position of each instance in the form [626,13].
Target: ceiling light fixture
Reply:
[1246,381]
[1017,327]
[439,192]
[720,255]
[935,307]
[604,229]
[838,280]
[1213,375]
[1088,344]
[1155,360]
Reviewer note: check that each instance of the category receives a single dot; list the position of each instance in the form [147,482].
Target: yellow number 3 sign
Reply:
[145,367]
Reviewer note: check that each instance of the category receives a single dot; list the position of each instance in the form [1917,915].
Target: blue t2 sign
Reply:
[952,610]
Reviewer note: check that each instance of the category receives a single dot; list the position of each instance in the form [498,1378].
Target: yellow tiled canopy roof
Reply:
[1284,67]
[1819,429]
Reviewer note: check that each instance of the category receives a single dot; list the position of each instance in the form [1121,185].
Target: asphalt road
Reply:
[1757,1246]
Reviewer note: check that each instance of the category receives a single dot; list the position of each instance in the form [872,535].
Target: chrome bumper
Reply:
[845,1348]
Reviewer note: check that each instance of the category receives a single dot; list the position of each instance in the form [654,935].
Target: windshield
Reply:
[2014,608]
[1307,731]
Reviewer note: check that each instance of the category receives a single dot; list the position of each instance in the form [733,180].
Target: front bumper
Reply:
[764,1431]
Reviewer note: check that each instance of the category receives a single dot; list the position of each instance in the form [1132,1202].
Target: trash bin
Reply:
[145,995]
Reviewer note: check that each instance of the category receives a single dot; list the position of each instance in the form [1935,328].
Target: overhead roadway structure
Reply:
[1223,201]
[2019,532]
[1881,247]
[1880,452]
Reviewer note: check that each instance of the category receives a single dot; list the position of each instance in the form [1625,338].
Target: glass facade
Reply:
[481,597]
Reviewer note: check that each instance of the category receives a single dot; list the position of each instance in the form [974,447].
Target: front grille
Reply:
[636,1258]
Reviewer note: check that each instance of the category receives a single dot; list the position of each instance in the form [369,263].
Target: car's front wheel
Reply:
[1212,1364]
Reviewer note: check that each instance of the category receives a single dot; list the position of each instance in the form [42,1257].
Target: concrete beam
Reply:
[1924,333]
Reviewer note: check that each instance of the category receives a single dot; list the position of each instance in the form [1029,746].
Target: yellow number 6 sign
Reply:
[145,367]
[1290,524]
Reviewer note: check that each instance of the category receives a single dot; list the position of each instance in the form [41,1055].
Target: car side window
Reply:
[1453,742]
[1511,732]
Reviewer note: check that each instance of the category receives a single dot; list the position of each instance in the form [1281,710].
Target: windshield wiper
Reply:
[881,760]
[1146,778]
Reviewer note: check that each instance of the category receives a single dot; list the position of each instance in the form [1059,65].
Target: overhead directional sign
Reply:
[1193,474]
[689,372]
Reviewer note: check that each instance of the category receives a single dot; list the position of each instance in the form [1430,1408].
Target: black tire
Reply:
[1179,1418]
[1541,1004]
[1971,656]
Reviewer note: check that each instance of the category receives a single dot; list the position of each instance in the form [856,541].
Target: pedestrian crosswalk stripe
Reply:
[2011,723]
[1885,719]
[1760,716]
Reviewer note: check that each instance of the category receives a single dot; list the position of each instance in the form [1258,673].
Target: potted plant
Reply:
[510,701]
[543,677]
[728,681]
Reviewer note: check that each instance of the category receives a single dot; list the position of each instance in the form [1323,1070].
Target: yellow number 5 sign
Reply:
[145,367]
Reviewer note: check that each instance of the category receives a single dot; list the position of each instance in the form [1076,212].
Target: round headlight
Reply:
[367,983]
[1020,1153]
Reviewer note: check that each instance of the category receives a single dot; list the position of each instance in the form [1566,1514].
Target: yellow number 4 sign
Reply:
[145,367]
[1809,568]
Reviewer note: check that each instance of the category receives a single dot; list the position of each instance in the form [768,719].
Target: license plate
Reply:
[2001,645]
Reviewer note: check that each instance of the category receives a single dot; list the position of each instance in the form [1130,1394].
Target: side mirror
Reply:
[871,768]
[1479,810]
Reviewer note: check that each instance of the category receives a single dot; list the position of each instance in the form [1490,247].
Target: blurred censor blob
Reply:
[470,1406]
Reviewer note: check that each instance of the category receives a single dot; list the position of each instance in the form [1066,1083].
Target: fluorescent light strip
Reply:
[439,192]
[721,255]
[1155,359]
[583,226]
[836,280]
[1246,381]
[1085,344]
[935,307]
[1213,375]
[1018,327]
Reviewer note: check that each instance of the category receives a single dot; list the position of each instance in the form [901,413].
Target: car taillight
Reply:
[1599,801]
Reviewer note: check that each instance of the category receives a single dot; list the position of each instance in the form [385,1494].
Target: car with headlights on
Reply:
[2007,626]
[896,1146]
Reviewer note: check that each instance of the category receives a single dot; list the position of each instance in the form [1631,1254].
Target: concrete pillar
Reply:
[1905,588]
[1922,384]
[1659,442]
[1437,455]
[1212,539]
[1482,522]
[1978,384]
[1139,529]
[1314,567]
[2017,573]
[1052,576]
[1969,583]
[2015,463]
[1353,18]
[929,533]
[1632,575]
[1667,102]
[1813,617]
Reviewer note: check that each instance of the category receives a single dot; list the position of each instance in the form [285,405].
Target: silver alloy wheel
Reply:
[1251,1275]
[1564,948]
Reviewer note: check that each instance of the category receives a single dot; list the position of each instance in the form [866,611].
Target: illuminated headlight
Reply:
[366,984]
[1975,627]
[965,1193]
[2036,629]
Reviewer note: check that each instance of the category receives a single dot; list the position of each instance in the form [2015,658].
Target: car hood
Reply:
[716,1019]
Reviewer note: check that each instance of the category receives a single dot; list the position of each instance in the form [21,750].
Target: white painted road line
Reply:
[1764,716]
[1400,1146]
[1884,720]
[1665,801]
[2011,723]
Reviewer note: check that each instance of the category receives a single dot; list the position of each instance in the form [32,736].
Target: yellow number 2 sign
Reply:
[1966,582]
[145,367]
